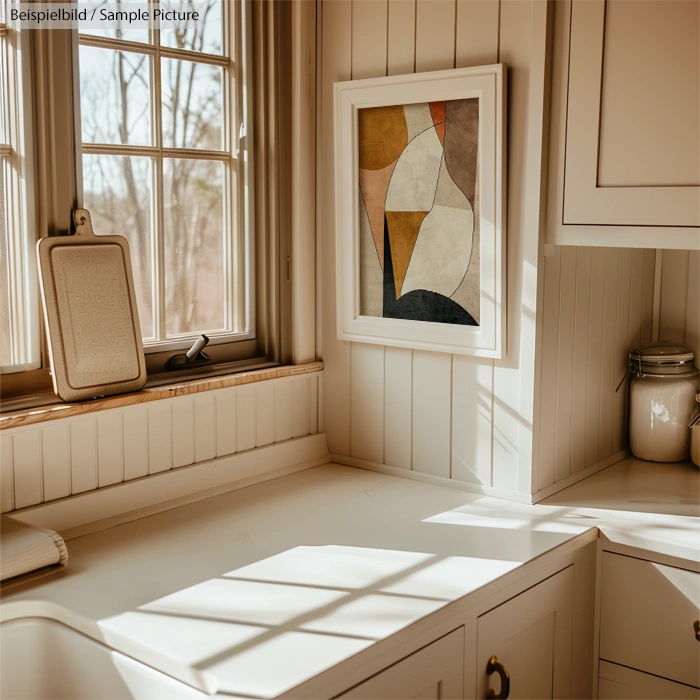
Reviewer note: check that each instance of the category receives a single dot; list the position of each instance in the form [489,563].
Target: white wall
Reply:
[452,417]
[598,304]
[60,458]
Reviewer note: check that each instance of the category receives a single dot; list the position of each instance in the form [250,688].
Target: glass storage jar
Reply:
[662,401]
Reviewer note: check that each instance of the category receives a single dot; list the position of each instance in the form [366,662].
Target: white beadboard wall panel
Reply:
[83,455]
[648,296]
[55,444]
[109,448]
[367,402]
[480,412]
[283,411]
[26,453]
[247,418]
[160,436]
[226,422]
[432,407]
[264,415]
[674,295]
[398,406]
[7,488]
[204,426]
[182,419]
[135,428]
[70,456]
[692,311]
[596,303]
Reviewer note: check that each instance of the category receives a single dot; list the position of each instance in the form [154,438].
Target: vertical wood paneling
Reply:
[634,338]
[246,418]
[83,455]
[595,354]
[183,431]
[607,379]
[109,448]
[283,411]
[432,404]
[55,442]
[648,295]
[301,399]
[265,414]
[135,427]
[335,65]
[398,390]
[579,396]
[621,353]
[472,407]
[369,38]
[367,402]
[565,365]
[7,496]
[313,406]
[26,457]
[226,422]
[204,427]
[548,391]
[674,295]
[692,312]
[435,34]
[401,48]
[476,33]
[160,436]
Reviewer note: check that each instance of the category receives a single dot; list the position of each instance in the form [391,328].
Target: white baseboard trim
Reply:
[579,476]
[130,500]
[430,479]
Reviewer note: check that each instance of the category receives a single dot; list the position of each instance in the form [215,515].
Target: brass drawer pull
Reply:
[696,627]
[495,666]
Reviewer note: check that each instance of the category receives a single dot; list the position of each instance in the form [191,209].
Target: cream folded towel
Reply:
[25,548]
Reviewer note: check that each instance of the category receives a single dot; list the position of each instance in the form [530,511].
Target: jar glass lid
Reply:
[666,352]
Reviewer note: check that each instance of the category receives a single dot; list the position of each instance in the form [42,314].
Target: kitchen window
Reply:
[158,145]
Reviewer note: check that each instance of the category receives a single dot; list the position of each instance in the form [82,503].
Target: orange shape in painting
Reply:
[437,112]
[383,134]
[374,185]
[403,230]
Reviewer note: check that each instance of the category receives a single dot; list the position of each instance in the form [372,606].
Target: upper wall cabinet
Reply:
[625,124]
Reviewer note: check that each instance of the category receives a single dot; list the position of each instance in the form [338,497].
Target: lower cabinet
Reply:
[435,672]
[524,645]
[621,683]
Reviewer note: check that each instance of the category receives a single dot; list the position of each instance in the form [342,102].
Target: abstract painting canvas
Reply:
[419,248]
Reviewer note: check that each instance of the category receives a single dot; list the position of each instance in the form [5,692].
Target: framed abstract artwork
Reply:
[420,210]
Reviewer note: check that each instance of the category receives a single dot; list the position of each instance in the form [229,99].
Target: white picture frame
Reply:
[488,83]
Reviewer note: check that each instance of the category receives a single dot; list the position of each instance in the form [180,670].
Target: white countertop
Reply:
[298,573]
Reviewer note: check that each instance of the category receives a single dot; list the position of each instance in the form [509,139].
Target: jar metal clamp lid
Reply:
[662,359]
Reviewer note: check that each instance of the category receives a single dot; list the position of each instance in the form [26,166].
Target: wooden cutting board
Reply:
[92,323]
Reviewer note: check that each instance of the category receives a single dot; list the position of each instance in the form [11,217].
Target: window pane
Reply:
[195,254]
[114,28]
[114,96]
[5,339]
[203,35]
[192,104]
[117,192]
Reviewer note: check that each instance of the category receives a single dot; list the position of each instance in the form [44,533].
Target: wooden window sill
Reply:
[65,410]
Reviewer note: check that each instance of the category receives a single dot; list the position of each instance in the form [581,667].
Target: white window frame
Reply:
[17,159]
[237,121]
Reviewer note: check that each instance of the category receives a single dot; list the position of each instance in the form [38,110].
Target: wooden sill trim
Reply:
[66,410]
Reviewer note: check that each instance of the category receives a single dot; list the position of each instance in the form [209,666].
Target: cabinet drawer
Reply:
[647,616]
[620,683]
[435,672]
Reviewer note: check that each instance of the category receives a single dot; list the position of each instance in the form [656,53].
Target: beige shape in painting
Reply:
[441,255]
[447,193]
[371,276]
[418,119]
[373,185]
[414,180]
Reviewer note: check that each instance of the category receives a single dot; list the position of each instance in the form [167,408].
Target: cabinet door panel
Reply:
[531,636]
[610,44]
[620,683]
[435,672]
